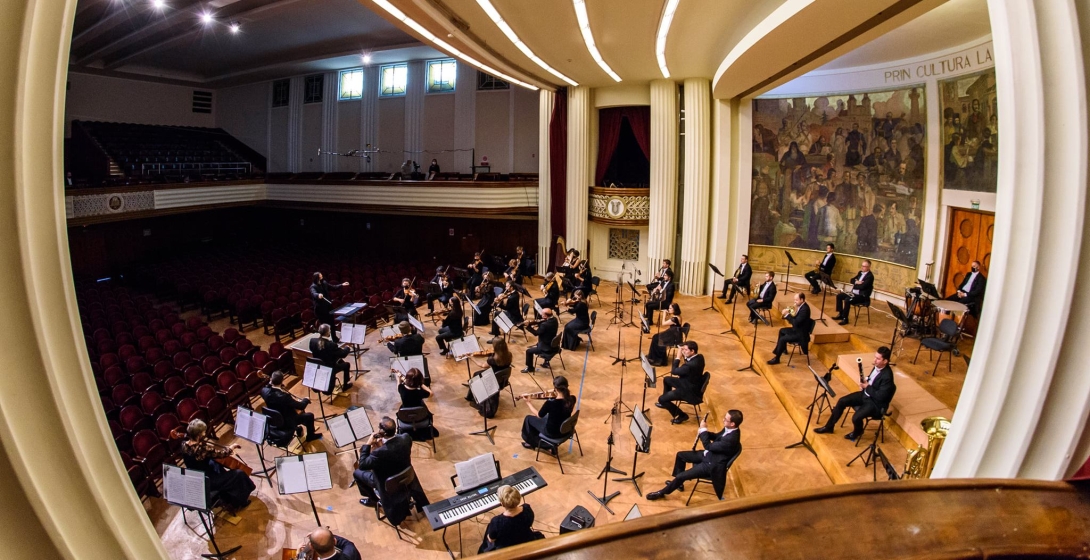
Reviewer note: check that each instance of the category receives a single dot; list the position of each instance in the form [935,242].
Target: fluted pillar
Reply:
[545,101]
[415,86]
[330,103]
[580,106]
[662,223]
[694,227]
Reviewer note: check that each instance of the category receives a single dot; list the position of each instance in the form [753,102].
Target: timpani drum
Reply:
[947,309]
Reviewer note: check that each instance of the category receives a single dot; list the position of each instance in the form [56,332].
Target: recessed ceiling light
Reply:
[206,18]
[158,4]
[234,27]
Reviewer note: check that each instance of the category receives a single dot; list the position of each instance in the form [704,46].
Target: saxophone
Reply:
[921,460]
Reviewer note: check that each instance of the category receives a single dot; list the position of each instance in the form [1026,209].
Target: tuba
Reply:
[921,460]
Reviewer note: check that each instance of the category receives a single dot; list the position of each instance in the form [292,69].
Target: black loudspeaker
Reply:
[578,518]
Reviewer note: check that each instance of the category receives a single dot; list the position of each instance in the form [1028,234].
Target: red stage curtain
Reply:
[639,118]
[609,134]
[558,170]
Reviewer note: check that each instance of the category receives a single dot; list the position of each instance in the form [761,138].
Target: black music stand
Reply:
[787,278]
[753,348]
[605,498]
[826,281]
[929,289]
[902,322]
[870,454]
[619,405]
[618,304]
[643,445]
[733,304]
[716,272]
[618,359]
[891,471]
[648,382]
[820,401]
[632,301]
[486,431]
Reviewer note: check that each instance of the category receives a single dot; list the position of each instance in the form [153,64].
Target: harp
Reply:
[560,253]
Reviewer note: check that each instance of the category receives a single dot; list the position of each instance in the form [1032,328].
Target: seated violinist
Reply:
[411,343]
[201,454]
[406,299]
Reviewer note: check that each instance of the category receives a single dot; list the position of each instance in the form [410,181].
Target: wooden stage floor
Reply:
[772,422]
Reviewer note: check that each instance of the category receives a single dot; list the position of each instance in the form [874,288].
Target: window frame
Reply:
[286,83]
[427,75]
[382,79]
[340,84]
[308,99]
[484,80]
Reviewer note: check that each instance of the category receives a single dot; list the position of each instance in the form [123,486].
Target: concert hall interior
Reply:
[654,278]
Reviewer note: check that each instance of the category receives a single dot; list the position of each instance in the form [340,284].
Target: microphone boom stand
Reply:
[608,468]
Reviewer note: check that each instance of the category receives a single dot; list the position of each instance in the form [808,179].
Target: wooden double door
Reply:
[971,233]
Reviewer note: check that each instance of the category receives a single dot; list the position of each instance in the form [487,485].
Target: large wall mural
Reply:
[970,132]
[841,168]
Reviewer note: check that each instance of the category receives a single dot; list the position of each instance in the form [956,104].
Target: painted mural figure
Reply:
[970,132]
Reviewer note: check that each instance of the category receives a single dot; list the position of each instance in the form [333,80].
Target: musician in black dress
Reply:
[862,284]
[453,326]
[739,282]
[656,353]
[445,290]
[406,299]
[764,296]
[323,348]
[487,295]
[512,526]
[825,265]
[323,305]
[507,302]
[661,298]
[500,359]
[875,392]
[709,463]
[546,332]
[550,417]
[662,271]
[578,307]
[413,388]
[199,453]
[551,289]
[798,332]
[582,280]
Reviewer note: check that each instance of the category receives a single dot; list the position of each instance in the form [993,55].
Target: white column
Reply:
[580,106]
[1024,406]
[694,227]
[662,222]
[295,124]
[545,103]
[369,116]
[415,87]
[741,186]
[465,119]
[329,120]
[720,225]
[932,204]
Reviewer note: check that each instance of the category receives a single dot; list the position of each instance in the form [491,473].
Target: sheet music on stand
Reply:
[184,487]
[389,332]
[303,473]
[485,385]
[403,364]
[648,370]
[349,427]
[316,376]
[464,347]
[353,334]
[633,513]
[476,309]
[416,324]
[476,472]
[250,425]
[503,321]
[538,308]
[640,429]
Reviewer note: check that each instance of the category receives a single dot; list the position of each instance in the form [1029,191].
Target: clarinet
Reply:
[697,440]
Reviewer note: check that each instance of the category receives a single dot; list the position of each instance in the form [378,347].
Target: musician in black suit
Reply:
[322,544]
[319,295]
[971,290]
[288,406]
[388,454]
[576,306]
[407,299]
[862,286]
[332,356]
[711,462]
[825,265]
[662,272]
[546,332]
[509,303]
[764,295]
[871,401]
[799,331]
[452,326]
[684,381]
[411,344]
[738,282]
[661,298]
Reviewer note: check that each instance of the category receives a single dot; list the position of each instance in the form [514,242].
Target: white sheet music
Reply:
[417,324]
[464,346]
[250,425]
[346,332]
[648,369]
[389,332]
[319,381]
[476,309]
[537,307]
[308,373]
[404,363]
[184,487]
[291,474]
[359,334]
[360,423]
[640,429]
[478,471]
[317,468]
[504,322]
[484,385]
[342,432]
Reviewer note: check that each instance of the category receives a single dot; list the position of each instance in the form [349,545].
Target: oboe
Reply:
[697,440]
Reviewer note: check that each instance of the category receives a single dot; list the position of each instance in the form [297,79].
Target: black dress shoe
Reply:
[823,430]
[815,291]
[775,360]
[367,502]
[346,387]
[527,445]
[527,370]
[659,405]
[851,436]
[655,496]
[679,419]
[843,322]
[730,301]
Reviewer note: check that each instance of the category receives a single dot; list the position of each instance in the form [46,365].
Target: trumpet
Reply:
[538,395]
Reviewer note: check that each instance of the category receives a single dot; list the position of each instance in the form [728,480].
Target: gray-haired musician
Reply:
[862,285]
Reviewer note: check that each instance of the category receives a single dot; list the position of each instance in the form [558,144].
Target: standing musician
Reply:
[276,398]
[711,462]
[323,348]
[551,289]
[798,332]
[766,294]
[875,392]
[201,454]
[684,381]
[410,343]
[571,261]
[663,270]
[656,353]
[551,416]
[319,294]
[545,330]
[862,285]
[476,272]
[660,298]
[407,299]
[445,290]
[522,264]
[971,290]
[738,282]
[507,302]
[578,307]
[825,265]
[487,294]
[452,326]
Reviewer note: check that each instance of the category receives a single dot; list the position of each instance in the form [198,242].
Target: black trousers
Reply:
[342,367]
[536,350]
[673,390]
[367,482]
[844,303]
[753,306]
[699,469]
[734,288]
[789,334]
[305,419]
[864,408]
[444,335]
[813,278]
[650,308]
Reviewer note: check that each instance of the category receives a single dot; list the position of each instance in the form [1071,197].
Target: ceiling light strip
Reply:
[588,38]
[489,9]
[664,30]
[393,11]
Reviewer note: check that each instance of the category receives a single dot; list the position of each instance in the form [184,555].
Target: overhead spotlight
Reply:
[366,58]
[158,4]
[206,18]
[235,27]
